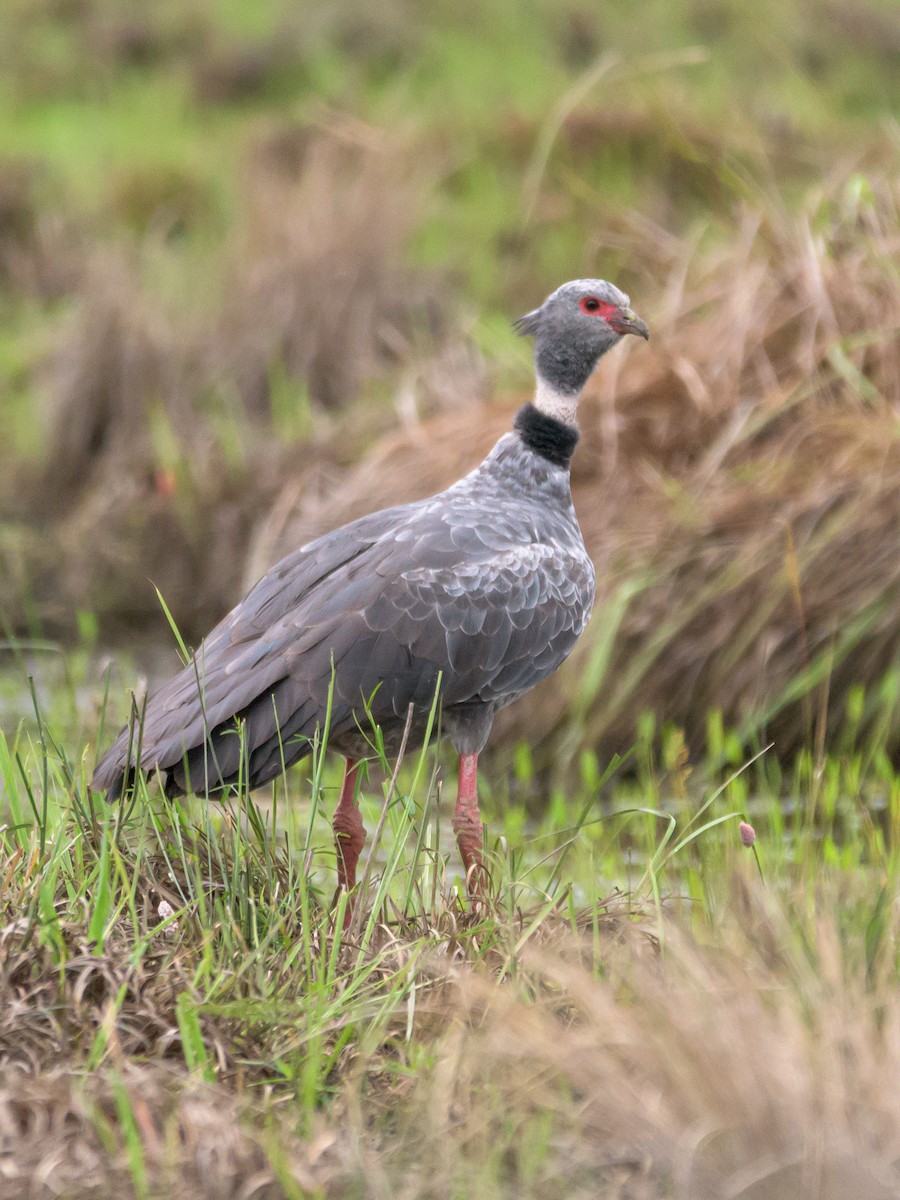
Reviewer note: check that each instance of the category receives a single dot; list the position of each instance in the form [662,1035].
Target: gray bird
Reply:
[485,587]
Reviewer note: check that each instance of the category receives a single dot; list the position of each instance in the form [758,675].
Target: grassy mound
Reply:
[181,1015]
[738,482]
[738,485]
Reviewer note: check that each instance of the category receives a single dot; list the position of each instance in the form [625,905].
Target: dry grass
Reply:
[38,256]
[170,424]
[738,483]
[139,1132]
[756,1058]
[758,1067]
[318,285]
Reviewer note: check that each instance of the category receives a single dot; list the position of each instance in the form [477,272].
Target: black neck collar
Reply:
[546,436]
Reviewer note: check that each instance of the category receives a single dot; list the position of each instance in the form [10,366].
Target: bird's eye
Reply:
[590,304]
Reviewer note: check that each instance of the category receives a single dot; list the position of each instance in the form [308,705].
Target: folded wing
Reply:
[378,610]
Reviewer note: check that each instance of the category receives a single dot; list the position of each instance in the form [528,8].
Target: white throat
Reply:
[555,404]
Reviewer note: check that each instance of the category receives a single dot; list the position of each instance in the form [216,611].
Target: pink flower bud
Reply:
[748,834]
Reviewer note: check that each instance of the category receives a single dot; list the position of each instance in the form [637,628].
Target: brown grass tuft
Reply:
[39,257]
[762,1069]
[138,1132]
[738,482]
[317,284]
[753,1055]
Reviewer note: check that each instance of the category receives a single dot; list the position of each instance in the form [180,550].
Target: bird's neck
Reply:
[546,436]
[559,405]
[562,369]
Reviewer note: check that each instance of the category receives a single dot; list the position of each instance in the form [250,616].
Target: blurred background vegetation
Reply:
[257,267]
[258,264]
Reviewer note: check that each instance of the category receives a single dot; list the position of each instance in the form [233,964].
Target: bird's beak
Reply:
[627,321]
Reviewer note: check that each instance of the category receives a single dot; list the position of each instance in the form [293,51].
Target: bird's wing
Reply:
[495,623]
[376,612]
[449,599]
[242,657]
[379,638]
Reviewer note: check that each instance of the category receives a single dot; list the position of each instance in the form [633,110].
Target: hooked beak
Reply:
[627,321]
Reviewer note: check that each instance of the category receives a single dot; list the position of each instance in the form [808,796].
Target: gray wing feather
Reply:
[243,657]
[382,607]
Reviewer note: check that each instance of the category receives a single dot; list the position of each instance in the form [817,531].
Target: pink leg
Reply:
[349,831]
[467,823]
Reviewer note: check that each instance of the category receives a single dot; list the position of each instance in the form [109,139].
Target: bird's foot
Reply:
[467,827]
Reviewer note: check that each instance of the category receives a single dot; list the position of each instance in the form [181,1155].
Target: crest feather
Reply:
[528,325]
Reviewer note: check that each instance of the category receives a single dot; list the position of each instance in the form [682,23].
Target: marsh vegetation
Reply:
[257,269]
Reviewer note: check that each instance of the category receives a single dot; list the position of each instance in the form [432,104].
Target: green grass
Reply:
[463,78]
[246,985]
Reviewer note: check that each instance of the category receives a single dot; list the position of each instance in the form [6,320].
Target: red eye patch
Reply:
[595,307]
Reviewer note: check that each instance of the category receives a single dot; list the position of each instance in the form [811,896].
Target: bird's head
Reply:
[574,326]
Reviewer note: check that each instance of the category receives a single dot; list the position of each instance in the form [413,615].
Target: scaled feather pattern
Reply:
[485,587]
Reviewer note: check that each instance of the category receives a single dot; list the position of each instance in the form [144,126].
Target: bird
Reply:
[471,596]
